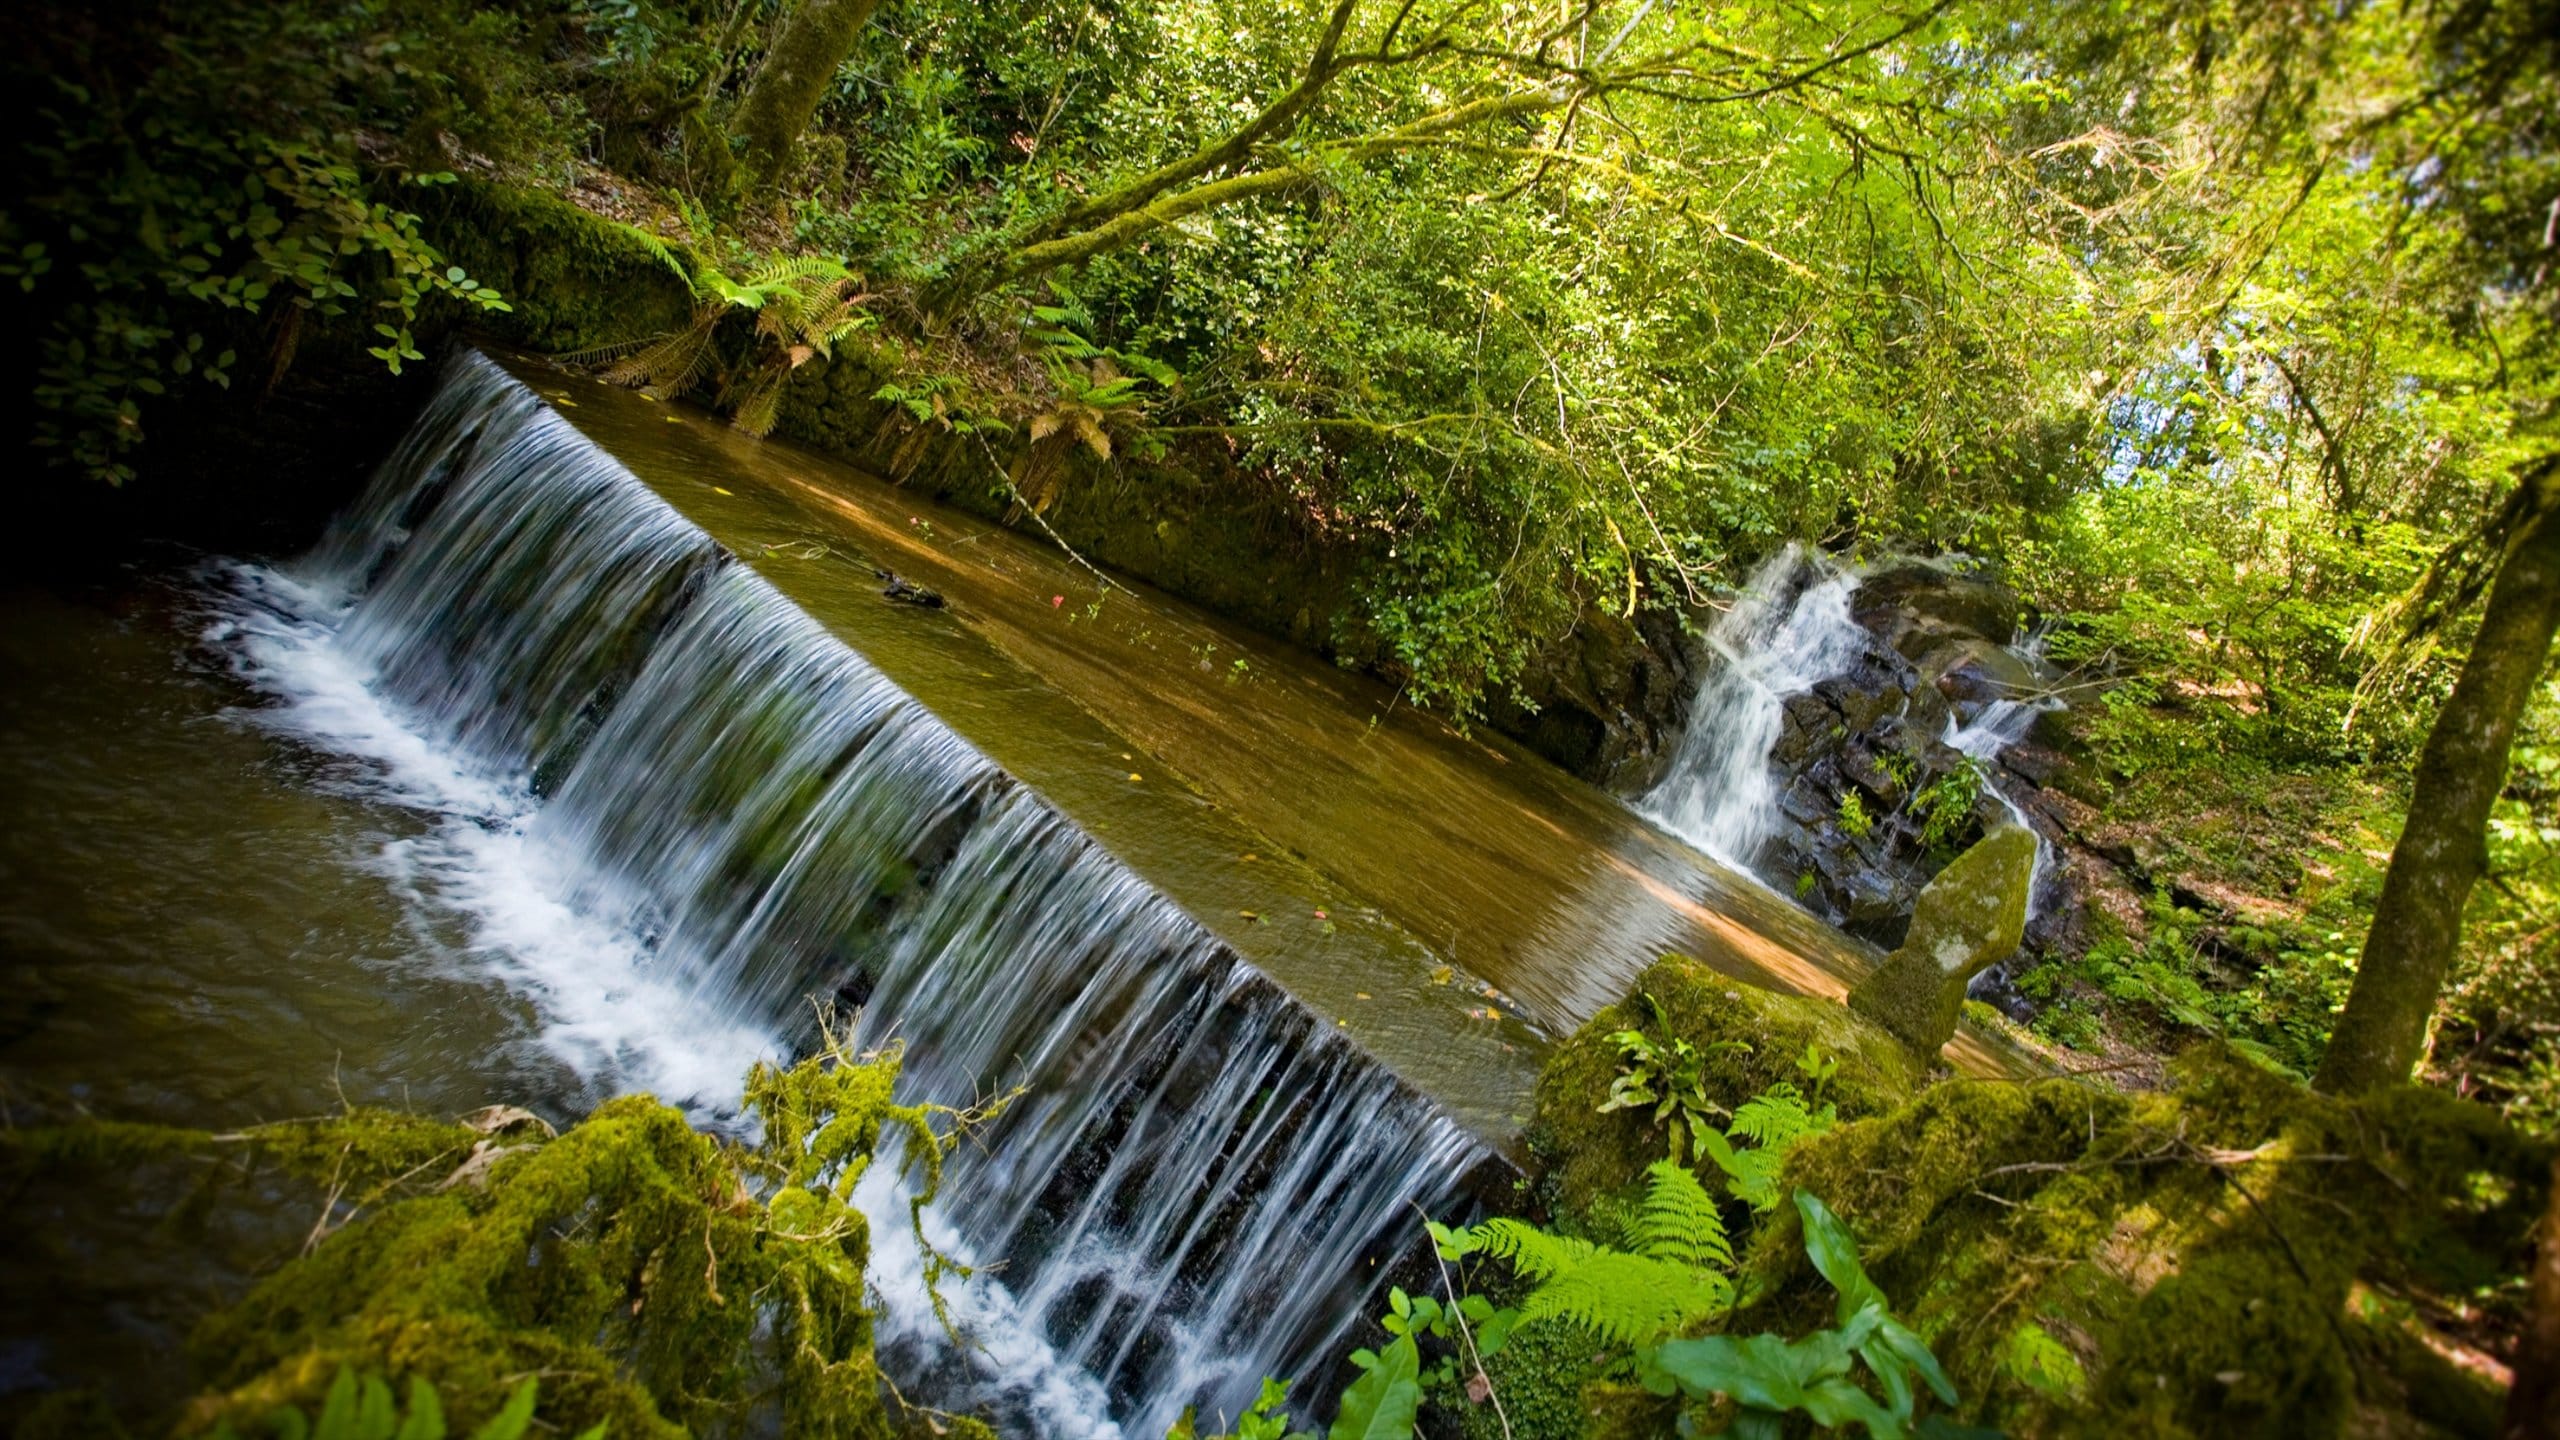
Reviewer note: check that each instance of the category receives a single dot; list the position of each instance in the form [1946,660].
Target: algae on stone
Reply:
[1970,918]
[659,1280]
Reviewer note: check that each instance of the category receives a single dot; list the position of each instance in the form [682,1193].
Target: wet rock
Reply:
[1921,596]
[1970,918]
[1609,703]
[1813,728]
[1872,692]
[1973,669]
[2034,763]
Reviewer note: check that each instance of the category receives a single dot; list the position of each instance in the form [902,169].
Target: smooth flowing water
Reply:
[585,755]
[1788,629]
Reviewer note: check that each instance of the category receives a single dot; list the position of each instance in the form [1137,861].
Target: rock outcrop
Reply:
[1970,918]
[1875,799]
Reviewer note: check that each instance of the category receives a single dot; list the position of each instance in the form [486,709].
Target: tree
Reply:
[2442,853]
[2479,144]
[814,40]
[1518,66]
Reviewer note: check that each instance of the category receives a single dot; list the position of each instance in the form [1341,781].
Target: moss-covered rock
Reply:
[1970,918]
[2176,1264]
[572,280]
[1586,1155]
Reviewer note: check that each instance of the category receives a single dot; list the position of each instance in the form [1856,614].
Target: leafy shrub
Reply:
[1769,1377]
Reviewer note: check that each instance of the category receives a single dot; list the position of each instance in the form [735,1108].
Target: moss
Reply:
[573,280]
[1587,1156]
[1622,1410]
[2192,1251]
[629,1261]
[1970,918]
[1538,1376]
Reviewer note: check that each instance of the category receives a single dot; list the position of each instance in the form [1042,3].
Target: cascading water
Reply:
[1998,725]
[1788,629]
[678,807]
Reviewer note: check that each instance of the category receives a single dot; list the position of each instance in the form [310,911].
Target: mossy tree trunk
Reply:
[2443,849]
[815,39]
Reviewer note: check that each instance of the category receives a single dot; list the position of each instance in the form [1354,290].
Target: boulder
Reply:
[1917,592]
[1968,919]
[1588,1155]
[1978,670]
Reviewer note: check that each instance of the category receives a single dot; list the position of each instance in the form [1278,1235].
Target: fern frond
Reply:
[757,400]
[1679,1221]
[1628,1299]
[606,353]
[1752,1174]
[673,362]
[795,272]
[1776,1117]
[658,251]
[1533,1252]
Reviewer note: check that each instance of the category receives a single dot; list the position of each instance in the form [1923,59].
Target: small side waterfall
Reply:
[1791,630]
[737,812]
[1788,629]
[1997,726]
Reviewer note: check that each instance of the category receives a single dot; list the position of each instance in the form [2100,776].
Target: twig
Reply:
[1037,518]
[1465,1331]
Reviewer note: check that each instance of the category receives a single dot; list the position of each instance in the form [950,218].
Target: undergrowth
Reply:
[659,1280]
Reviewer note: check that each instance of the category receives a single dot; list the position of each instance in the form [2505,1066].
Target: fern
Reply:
[1778,1117]
[1679,1221]
[1672,1277]
[1773,1121]
[1629,1299]
[660,252]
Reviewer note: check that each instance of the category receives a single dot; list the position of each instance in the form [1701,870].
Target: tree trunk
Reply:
[815,39]
[2443,847]
[2533,1403]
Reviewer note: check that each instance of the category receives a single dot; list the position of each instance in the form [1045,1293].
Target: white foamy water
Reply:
[1720,791]
[666,809]
[600,1006]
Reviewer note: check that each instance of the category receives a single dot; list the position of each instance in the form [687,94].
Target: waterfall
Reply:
[1998,725]
[1788,629]
[680,807]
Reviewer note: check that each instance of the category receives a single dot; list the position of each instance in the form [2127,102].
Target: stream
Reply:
[585,755]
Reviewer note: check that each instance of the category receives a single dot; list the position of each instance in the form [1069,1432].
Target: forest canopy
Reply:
[2223,332]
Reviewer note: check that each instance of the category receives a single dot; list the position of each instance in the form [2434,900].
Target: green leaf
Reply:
[426,1413]
[1382,1404]
[511,1420]
[338,1410]
[1834,1252]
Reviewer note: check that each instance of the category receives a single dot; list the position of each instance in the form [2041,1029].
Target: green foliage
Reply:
[364,1410]
[1382,1403]
[1753,1148]
[1669,1076]
[182,237]
[1855,822]
[803,307]
[1769,1377]
[656,1278]
[1945,805]
[1672,1275]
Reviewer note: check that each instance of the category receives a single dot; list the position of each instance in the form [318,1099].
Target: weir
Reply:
[1273,961]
